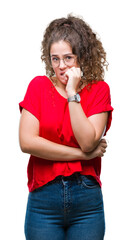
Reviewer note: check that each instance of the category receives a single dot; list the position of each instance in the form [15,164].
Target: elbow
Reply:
[89,143]
[88,147]
[24,147]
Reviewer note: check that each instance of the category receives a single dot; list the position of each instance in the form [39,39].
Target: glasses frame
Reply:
[63,59]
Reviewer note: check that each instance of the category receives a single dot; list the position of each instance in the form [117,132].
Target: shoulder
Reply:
[100,85]
[39,81]
[100,88]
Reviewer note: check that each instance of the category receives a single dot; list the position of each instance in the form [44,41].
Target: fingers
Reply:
[104,142]
[102,147]
[101,152]
[74,76]
[76,72]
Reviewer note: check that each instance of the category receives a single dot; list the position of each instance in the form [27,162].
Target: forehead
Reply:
[60,48]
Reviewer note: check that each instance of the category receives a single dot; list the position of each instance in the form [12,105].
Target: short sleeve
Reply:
[31,101]
[101,101]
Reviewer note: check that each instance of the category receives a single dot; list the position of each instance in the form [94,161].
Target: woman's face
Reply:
[62,59]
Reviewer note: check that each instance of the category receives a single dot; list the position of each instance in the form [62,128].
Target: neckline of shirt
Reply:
[59,94]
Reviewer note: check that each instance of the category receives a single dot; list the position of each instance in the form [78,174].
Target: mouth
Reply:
[63,76]
[62,73]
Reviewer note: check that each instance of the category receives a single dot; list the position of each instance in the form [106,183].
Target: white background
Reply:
[22,24]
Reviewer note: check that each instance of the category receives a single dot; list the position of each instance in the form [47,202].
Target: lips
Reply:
[63,76]
[62,73]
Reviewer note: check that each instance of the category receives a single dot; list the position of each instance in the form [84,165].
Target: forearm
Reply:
[87,131]
[32,143]
[83,129]
[46,149]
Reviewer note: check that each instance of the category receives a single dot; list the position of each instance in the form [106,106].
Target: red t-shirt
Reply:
[51,109]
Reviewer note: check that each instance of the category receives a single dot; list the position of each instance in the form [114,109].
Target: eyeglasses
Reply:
[68,60]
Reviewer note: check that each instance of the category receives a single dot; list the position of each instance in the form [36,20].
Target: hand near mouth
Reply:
[74,76]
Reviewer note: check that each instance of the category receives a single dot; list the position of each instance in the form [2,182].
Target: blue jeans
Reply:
[67,208]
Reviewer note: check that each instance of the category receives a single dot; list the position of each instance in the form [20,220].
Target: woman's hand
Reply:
[98,151]
[101,148]
[74,76]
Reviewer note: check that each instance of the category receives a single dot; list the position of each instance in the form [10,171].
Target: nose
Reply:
[62,64]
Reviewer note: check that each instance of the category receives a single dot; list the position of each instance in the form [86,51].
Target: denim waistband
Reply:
[74,177]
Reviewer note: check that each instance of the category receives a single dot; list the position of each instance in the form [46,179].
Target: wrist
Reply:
[71,93]
[79,154]
[88,155]
[74,98]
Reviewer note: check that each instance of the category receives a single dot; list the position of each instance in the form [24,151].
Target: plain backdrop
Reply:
[22,24]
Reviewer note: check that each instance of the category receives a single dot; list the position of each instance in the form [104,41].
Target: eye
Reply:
[54,59]
[68,57]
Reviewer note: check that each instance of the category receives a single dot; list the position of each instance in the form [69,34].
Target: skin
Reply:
[87,131]
[32,143]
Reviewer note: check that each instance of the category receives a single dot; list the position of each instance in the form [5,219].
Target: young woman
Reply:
[64,116]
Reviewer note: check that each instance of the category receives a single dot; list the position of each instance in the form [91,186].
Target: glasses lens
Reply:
[55,61]
[69,60]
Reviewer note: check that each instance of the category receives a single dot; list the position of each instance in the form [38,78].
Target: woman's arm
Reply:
[32,143]
[87,131]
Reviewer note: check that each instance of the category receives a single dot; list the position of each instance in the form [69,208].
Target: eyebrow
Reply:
[54,55]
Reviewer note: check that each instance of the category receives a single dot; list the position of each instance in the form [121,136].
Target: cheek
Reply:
[77,64]
[55,71]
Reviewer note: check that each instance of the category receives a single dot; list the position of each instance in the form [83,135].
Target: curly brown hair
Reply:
[84,43]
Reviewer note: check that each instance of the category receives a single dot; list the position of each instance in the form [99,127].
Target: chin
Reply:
[62,80]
